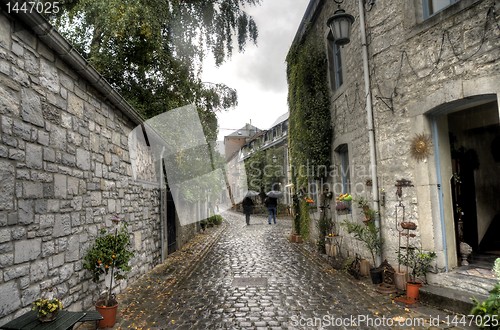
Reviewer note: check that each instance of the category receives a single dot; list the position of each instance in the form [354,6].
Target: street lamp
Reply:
[340,25]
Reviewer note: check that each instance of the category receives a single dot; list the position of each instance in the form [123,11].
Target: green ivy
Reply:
[308,98]
[310,130]
[262,173]
[305,218]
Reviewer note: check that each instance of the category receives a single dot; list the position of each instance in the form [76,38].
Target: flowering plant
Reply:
[44,307]
[344,197]
[309,200]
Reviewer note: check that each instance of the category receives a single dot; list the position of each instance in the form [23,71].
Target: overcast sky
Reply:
[259,74]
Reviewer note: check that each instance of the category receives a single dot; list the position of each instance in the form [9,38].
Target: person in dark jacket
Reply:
[247,208]
[272,205]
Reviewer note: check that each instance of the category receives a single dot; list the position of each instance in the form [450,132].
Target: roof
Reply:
[64,50]
[280,119]
[309,16]
[246,131]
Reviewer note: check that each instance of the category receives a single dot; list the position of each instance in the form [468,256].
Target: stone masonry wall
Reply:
[409,59]
[64,170]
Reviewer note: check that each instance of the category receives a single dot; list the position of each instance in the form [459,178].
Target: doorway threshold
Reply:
[469,278]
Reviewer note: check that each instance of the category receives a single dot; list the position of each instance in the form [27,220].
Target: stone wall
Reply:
[415,65]
[64,170]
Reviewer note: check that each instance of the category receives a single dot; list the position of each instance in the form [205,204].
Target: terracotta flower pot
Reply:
[409,225]
[109,315]
[412,290]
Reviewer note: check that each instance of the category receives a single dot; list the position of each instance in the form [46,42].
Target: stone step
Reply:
[473,280]
[447,298]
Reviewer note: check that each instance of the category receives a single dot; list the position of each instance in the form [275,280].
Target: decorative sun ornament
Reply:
[421,146]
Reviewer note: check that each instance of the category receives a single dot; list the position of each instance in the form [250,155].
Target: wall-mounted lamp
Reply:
[340,25]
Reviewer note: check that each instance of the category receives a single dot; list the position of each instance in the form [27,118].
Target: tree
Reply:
[151,51]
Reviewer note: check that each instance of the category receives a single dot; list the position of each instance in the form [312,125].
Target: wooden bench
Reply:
[91,316]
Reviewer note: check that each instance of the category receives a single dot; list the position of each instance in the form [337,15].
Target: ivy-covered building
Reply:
[264,154]
[266,159]
[418,115]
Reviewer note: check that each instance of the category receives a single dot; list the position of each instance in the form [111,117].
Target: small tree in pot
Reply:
[110,254]
[420,263]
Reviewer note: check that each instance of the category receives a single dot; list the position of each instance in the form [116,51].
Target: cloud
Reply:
[277,21]
[259,73]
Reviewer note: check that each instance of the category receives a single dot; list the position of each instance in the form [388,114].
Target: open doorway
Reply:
[474,136]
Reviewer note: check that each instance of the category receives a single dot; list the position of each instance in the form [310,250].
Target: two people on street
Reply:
[270,202]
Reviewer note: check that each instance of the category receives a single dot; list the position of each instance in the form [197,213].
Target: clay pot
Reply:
[108,314]
[409,225]
[413,290]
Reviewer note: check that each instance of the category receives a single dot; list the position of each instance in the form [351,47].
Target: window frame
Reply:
[345,174]
[335,69]
[427,5]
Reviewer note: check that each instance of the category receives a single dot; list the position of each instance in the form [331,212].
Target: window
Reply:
[431,7]
[343,152]
[334,64]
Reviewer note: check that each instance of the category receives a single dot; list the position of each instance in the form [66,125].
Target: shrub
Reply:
[488,312]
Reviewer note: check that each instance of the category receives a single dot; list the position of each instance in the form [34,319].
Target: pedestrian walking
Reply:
[247,208]
[272,205]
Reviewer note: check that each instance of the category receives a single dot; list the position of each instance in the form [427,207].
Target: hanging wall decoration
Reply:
[421,146]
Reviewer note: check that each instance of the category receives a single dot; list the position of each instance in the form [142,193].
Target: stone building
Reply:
[65,169]
[274,142]
[432,103]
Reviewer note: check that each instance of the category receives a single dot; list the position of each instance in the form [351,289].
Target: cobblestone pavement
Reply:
[253,278]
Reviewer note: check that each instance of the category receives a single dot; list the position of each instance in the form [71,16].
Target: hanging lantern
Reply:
[340,25]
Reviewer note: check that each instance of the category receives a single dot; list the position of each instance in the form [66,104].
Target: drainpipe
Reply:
[163,205]
[369,115]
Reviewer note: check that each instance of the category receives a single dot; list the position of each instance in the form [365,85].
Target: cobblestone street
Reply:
[253,278]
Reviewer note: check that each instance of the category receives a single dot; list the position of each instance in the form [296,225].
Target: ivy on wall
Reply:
[264,168]
[308,99]
[310,130]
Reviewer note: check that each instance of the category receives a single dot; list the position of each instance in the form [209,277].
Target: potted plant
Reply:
[110,254]
[369,235]
[46,309]
[420,263]
[368,212]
